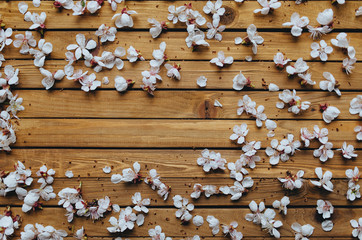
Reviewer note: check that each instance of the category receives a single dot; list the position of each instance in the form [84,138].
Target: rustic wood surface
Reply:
[68,129]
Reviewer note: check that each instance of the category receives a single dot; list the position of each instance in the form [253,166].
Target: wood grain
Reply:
[30,76]
[177,49]
[144,133]
[239,16]
[170,104]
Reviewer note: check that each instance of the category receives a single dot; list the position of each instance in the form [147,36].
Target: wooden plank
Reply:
[177,49]
[169,104]
[30,76]
[266,190]
[167,162]
[165,218]
[140,133]
[238,15]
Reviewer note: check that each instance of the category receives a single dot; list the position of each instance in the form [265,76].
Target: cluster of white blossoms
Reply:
[249,107]
[353,191]
[8,224]
[154,180]
[281,151]
[264,218]
[45,191]
[72,201]
[326,209]
[38,231]
[293,102]
[300,69]
[211,160]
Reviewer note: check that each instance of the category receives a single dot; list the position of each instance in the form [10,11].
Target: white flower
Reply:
[347,64]
[358,130]
[210,190]
[140,203]
[271,225]
[23,7]
[82,47]
[306,79]
[173,71]
[80,234]
[253,38]
[30,201]
[214,31]
[257,214]
[237,171]
[288,145]
[321,50]
[69,174]
[231,230]
[317,32]
[239,188]
[124,19]
[215,9]
[355,106]
[268,6]
[7,226]
[159,56]
[41,232]
[347,151]
[273,152]
[211,160]
[292,181]
[131,175]
[306,136]
[330,84]
[302,232]
[5,38]
[324,152]
[184,208]
[133,55]
[163,191]
[174,13]
[198,220]
[359,11]
[280,61]
[321,134]
[201,81]
[45,48]
[352,175]
[220,60]
[196,38]
[114,4]
[325,18]
[330,114]
[121,84]
[46,176]
[353,192]
[49,78]
[107,169]
[79,7]
[38,20]
[157,234]
[240,133]
[324,179]
[325,208]
[247,105]
[15,105]
[75,75]
[300,66]
[10,79]
[240,81]
[294,102]
[108,60]
[68,197]
[106,33]
[357,231]
[93,6]
[297,23]
[153,179]
[342,42]
[157,27]
[89,83]
[24,42]
[66,4]
[282,204]
[213,224]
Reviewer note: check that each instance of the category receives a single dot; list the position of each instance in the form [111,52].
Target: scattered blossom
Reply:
[214,224]
[302,232]
[347,151]
[268,6]
[355,106]
[324,152]
[45,48]
[324,179]
[291,181]
[240,133]
[280,61]
[211,160]
[282,205]
[220,60]
[124,19]
[252,38]
[297,23]
[330,113]
[106,33]
[321,50]
[293,101]
[325,208]
[184,208]
[82,47]
[330,84]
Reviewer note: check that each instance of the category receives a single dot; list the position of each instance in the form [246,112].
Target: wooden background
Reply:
[67,129]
